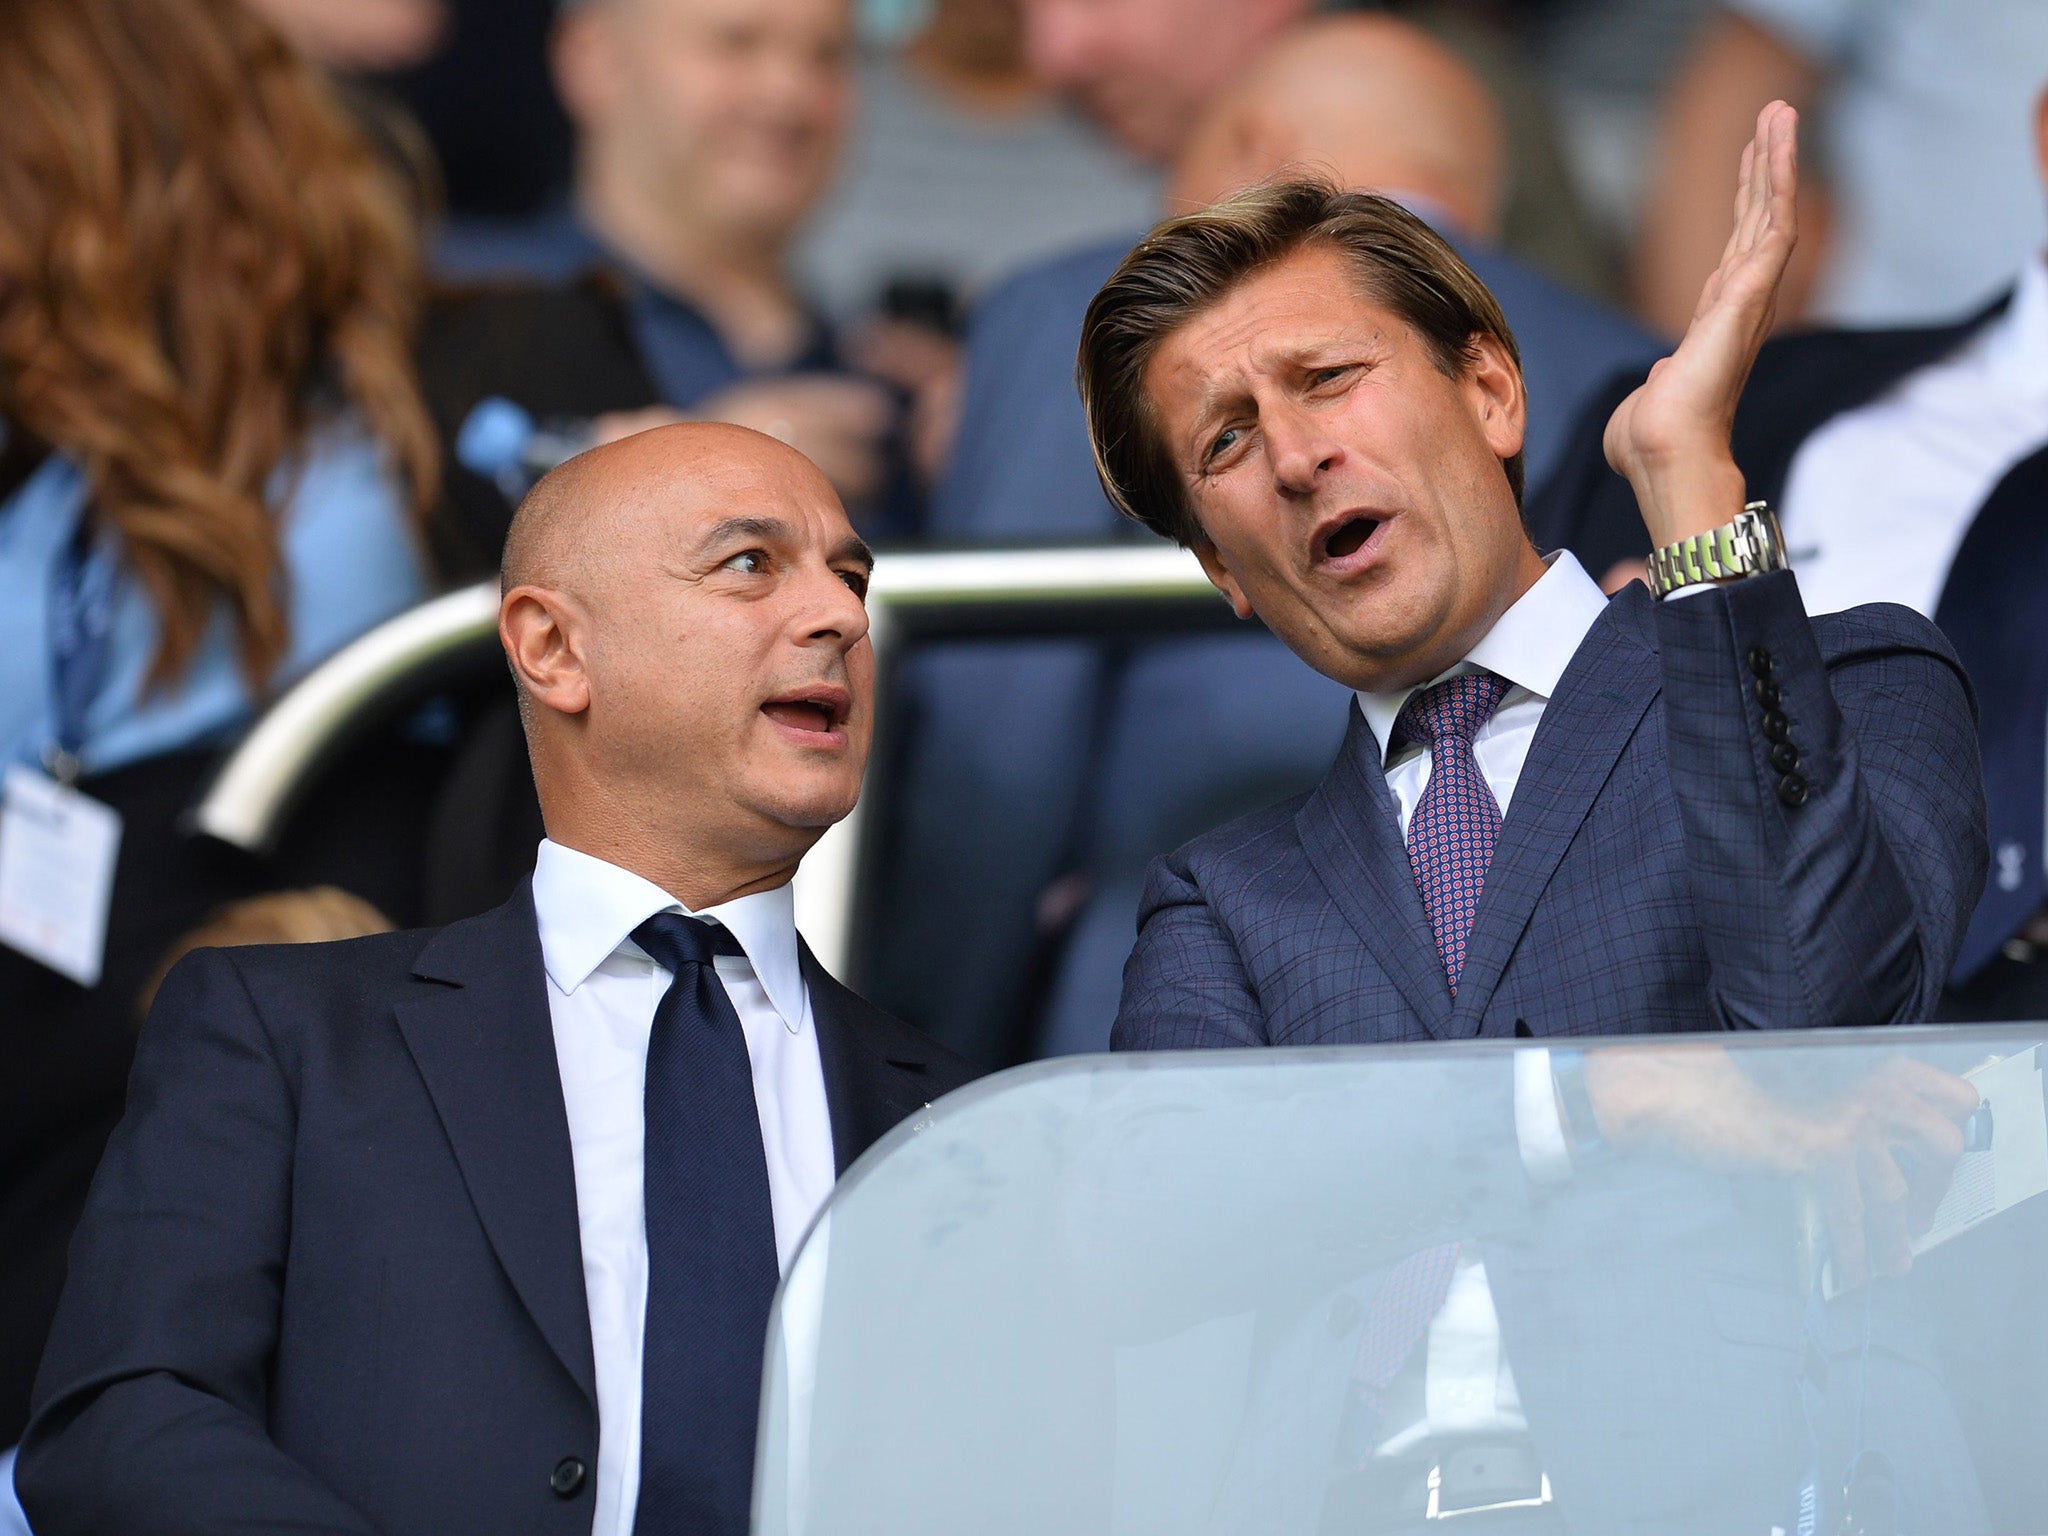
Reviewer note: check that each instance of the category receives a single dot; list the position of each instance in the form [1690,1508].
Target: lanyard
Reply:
[81,629]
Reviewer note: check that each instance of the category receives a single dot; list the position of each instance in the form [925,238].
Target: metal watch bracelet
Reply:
[1748,546]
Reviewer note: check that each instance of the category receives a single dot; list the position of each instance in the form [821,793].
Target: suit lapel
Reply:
[1352,835]
[873,1078]
[1600,701]
[480,1032]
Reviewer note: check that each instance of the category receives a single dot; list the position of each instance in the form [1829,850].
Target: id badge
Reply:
[57,853]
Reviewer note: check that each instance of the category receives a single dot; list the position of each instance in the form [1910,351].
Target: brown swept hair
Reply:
[196,246]
[1187,264]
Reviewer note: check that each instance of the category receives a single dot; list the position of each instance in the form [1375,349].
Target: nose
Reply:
[1056,42]
[1300,450]
[796,83]
[833,614]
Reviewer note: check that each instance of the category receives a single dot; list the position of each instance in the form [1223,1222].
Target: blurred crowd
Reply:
[297,296]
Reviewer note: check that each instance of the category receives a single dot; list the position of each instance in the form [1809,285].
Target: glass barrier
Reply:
[1734,1285]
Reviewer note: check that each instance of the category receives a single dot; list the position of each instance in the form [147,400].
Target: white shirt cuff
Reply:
[1539,1123]
[1692,590]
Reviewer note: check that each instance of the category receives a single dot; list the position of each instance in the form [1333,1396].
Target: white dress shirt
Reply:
[1467,1383]
[1877,501]
[602,992]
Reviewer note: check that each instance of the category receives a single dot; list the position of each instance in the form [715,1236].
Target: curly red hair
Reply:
[197,247]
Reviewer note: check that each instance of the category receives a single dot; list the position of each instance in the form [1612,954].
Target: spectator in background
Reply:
[962,168]
[214,453]
[706,130]
[1923,105]
[1020,464]
[1906,466]
[1147,70]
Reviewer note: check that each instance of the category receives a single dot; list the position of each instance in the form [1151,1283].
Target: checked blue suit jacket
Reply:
[1652,873]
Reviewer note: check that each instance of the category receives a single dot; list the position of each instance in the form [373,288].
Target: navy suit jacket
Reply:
[1649,876]
[330,1276]
[1022,467]
[1993,606]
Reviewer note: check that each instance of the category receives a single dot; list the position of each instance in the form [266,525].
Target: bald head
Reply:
[684,611]
[1373,101]
[599,510]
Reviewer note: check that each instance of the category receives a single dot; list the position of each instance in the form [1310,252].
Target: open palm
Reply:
[1670,437]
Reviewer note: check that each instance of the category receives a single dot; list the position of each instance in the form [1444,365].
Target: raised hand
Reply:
[1670,438]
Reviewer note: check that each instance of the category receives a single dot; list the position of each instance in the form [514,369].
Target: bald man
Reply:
[476,1230]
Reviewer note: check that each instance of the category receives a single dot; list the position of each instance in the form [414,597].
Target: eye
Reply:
[856,583]
[1226,440]
[1323,376]
[751,562]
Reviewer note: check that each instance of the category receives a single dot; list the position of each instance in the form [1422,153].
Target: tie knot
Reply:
[1453,709]
[673,941]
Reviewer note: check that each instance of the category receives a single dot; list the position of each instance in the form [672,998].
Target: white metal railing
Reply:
[957,591]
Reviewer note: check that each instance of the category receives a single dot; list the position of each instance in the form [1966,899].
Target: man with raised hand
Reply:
[1553,815]
[476,1229]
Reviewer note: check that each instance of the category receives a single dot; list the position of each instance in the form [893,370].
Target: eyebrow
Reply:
[855,549]
[768,528]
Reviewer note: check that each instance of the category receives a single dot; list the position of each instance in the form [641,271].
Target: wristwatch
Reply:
[1749,546]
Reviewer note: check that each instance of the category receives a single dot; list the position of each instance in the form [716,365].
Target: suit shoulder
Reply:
[1872,627]
[378,962]
[1253,837]
[1067,281]
[1537,295]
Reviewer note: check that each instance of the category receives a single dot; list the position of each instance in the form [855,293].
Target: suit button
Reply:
[1784,757]
[1792,790]
[567,1476]
[1776,726]
[1759,661]
[1766,692]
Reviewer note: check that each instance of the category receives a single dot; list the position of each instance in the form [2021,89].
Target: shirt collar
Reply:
[2017,347]
[588,908]
[1530,645]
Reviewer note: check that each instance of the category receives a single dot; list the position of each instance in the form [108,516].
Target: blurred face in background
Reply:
[1144,70]
[727,115]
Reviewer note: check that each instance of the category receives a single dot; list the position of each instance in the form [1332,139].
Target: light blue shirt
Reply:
[351,560]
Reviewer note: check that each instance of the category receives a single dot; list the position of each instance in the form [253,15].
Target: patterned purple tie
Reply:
[1457,820]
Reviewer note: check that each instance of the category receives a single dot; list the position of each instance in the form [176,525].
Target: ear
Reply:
[582,54]
[537,628]
[1220,578]
[1493,384]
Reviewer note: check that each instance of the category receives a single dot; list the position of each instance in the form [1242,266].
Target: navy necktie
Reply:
[1457,820]
[711,1258]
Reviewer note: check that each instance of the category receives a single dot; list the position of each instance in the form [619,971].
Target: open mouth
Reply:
[1347,537]
[812,712]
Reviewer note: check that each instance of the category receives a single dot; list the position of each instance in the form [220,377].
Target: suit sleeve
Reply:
[1832,890]
[1185,986]
[150,1407]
